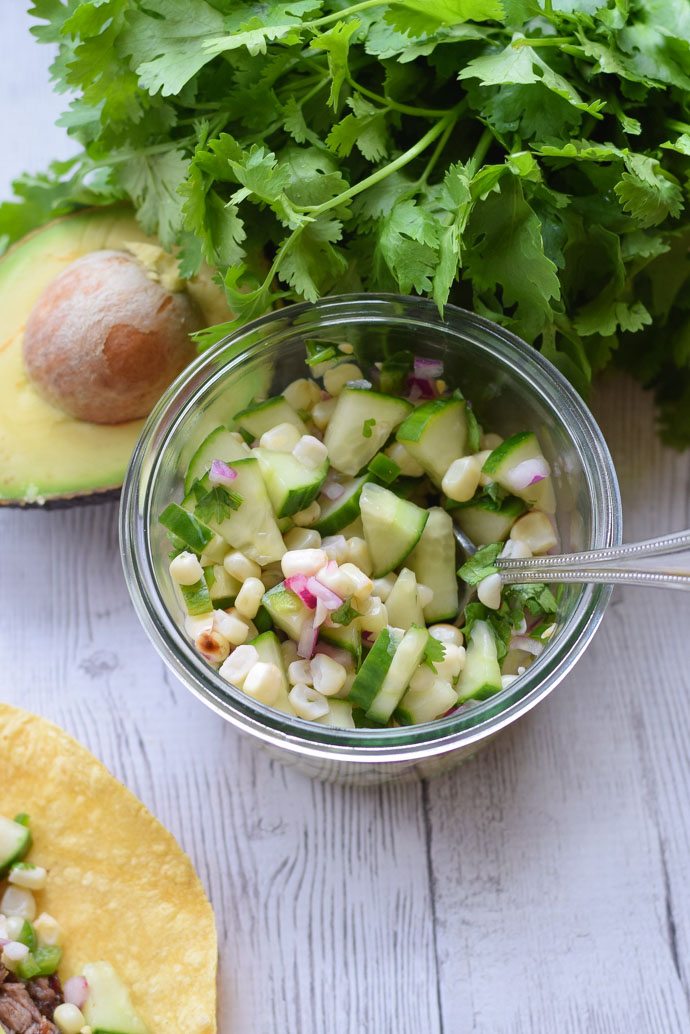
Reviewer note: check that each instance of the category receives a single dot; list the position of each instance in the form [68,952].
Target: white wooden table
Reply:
[540,889]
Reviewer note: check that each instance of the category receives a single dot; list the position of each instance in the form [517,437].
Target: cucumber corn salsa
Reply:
[32,998]
[314,551]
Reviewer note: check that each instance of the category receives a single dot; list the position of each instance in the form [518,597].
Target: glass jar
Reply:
[511,386]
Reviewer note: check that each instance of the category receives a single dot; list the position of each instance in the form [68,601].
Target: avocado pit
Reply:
[107,336]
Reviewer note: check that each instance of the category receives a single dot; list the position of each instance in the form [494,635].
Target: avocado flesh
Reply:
[46,455]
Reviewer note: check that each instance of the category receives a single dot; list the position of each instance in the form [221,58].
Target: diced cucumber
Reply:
[481,676]
[424,705]
[220,444]
[392,527]
[436,435]
[401,669]
[346,637]
[286,610]
[291,485]
[223,588]
[375,667]
[354,530]
[433,561]
[42,962]
[339,715]
[186,527]
[336,514]
[15,841]
[403,606]
[362,422]
[509,455]
[214,551]
[484,523]
[265,415]
[252,528]
[108,1008]
[197,598]
[263,621]
[267,646]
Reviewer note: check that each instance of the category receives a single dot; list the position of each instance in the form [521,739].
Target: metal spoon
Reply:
[617,564]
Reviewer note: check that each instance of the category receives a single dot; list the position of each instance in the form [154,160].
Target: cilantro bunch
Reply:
[525,158]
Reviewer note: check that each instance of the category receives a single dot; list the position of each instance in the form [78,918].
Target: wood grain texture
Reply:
[541,888]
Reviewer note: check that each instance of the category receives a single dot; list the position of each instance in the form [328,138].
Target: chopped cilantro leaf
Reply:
[345,614]
[481,564]
[217,504]
[367,427]
[434,652]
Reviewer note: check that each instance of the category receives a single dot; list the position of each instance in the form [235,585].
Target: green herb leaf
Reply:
[481,564]
[367,427]
[434,652]
[345,614]
[217,504]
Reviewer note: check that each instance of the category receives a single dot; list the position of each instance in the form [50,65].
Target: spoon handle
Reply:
[615,564]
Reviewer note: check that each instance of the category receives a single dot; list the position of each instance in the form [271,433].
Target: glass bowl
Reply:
[512,387]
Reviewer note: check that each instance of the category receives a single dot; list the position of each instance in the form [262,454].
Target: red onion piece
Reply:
[427,369]
[341,656]
[4,941]
[330,599]
[527,473]
[221,474]
[333,491]
[421,388]
[307,641]
[526,643]
[76,991]
[297,583]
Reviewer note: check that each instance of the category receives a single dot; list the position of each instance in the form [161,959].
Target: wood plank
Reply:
[322,893]
[560,856]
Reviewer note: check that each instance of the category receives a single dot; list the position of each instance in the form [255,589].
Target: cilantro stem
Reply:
[365,5]
[438,151]
[479,152]
[381,174]
[405,109]
[679,127]
[541,41]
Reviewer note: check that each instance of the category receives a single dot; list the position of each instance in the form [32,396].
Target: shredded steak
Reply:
[27,1007]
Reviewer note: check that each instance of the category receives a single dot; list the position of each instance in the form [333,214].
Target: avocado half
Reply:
[48,458]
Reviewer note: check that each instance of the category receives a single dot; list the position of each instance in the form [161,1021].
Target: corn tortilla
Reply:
[120,886]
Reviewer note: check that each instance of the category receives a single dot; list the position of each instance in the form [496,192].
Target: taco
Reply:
[104,925]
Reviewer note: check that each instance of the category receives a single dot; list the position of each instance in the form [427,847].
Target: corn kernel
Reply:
[462,478]
[516,550]
[452,664]
[310,451]
[358,554]
[302,538]
[185,569]
[232,627]
[281,438]
[335,548]
[322,413]
[238,665]
[47,930]
[241,567]
[481,458]
[489,591]
[307,702]
[300,671]
[335,380]
[249,597]
[374,615]
[306,517]
[382,587]
[299,394]
[18,902]
[328,676]
[536,531]
[303,561]
[408,464]
[362,582]
[338,580]
[264,682]
[30,879]
[213,646]
[68,1019]
[446,634]
[490,442]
